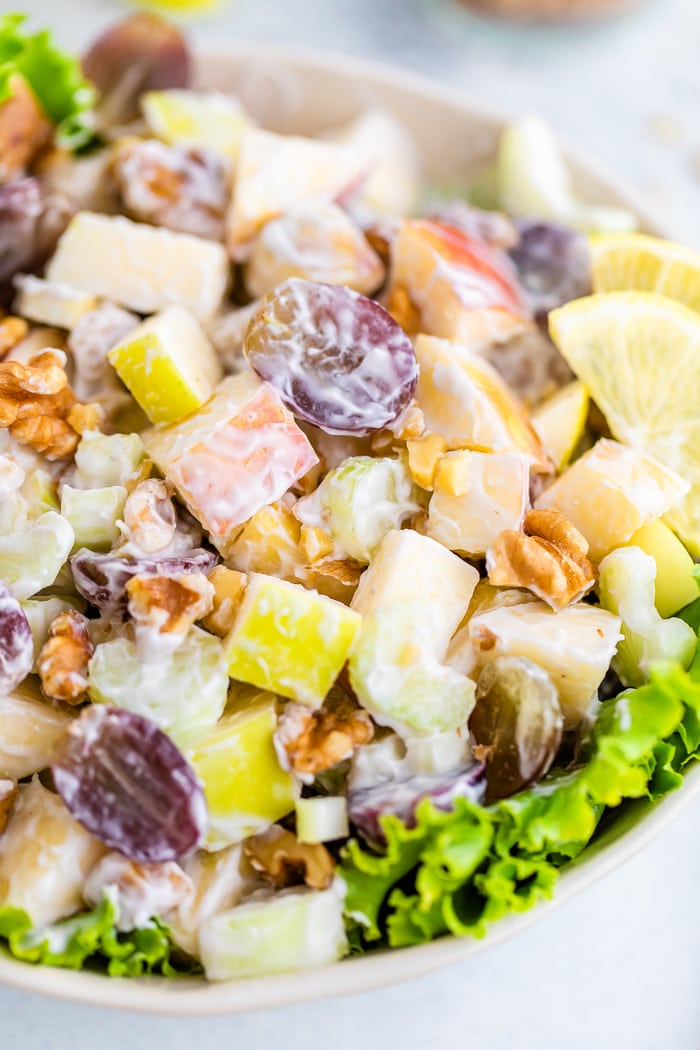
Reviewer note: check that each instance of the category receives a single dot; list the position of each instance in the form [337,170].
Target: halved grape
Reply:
[336,358]
[517,724]
[553,264]
[102,578]
[16,642]
[127,783]
[401,797]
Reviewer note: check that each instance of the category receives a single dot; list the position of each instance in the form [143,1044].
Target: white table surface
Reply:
[619,967]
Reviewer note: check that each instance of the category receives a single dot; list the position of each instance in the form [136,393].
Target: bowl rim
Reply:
[361,973]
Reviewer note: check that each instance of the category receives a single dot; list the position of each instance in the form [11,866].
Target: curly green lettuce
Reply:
[91,940]
[457,872]
[54,76]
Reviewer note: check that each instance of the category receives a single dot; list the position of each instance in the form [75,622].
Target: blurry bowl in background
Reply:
[550,10]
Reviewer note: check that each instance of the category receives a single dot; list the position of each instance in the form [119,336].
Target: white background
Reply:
[619,967]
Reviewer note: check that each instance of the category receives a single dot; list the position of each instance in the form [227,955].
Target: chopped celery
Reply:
[103,460]
[322,819]
[626,584]
[93,514]
[32,558]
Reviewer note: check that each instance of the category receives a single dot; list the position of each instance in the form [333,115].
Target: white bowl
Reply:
[303,91]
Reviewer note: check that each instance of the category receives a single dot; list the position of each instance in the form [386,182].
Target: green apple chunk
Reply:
[626,583]
[32,558]
[103,460]
[168,364]
[360,501]
[194,118]
[183,692]
[274,933]
[93,515]
[245,786]
[289,639]
[397,677]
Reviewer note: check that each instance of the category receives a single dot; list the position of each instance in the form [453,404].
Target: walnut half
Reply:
[548,558]
[314,741]
[284,861]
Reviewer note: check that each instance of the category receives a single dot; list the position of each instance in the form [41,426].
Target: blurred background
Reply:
[624,86]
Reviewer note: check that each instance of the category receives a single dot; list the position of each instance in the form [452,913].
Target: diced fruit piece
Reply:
[560,421]
[393,180]
[102,578]
[611,491]
[495,496]
[409,568]
[30,728]
[140,53]
[400,797]
[241,451]
[206,120]
[104,460]
[245,787]
[40,613]
[182,691]
[447,284]
[517,723]
[291,930]
[139,266]
[32,558]
[626,586]
[360,501]
[337,359]
[646,388]
[52,304]
[93,514]
[637,262]
[465,401]
[396,674]
[675,584]
[45,856]
[533,181]
[168,364]
[16,642]
[127,783]
[140,892]
[229,586]
[322,819]
[553,264]
[423,457]
[275,173]
[318,242]
[277,626]
[575,646]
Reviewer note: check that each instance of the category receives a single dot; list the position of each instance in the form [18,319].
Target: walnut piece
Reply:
[313,741]
[284,861]
[170,604]
[12,331]
[8,796]
[36,404]
[63,660]
[548,558]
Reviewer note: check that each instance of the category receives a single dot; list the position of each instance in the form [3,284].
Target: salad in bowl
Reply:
[348,532]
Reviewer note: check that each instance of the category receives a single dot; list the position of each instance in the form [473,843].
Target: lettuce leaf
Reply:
[91,940]
[459,871]
[54,76]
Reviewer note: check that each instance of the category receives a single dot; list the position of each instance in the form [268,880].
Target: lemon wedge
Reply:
[638,354]
[637,262]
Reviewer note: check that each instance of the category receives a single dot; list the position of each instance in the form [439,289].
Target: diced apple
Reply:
[611,491]
[142,267]
[45,856]
[409,568]
[447,284]
[675,584]
[289,639]
[466,402]
[277,172]
[205,120]
[93,515]
[168,364]
[560,421]
[48,303]
[245,786]
[274,933]
[30,728]
[575,646]
[393,183]
[239,452]
[495,498]
[317,242]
